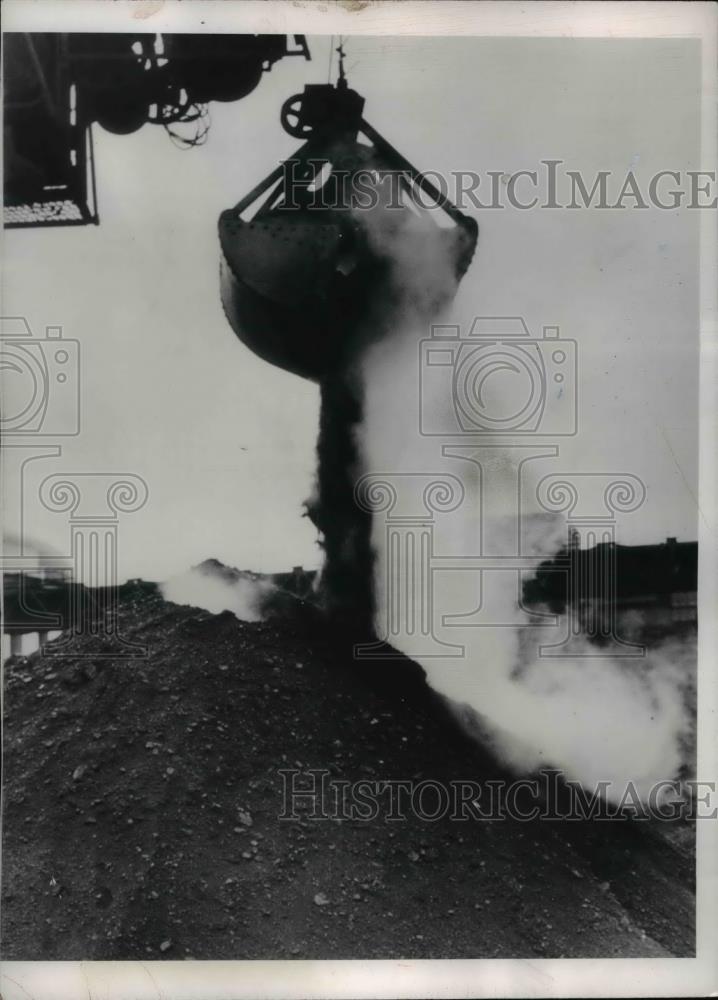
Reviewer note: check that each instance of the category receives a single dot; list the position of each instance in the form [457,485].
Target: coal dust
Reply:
[598,718]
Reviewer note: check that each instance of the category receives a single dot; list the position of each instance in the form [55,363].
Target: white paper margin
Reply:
[443,978]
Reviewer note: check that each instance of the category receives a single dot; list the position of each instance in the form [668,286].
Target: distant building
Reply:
[656,583]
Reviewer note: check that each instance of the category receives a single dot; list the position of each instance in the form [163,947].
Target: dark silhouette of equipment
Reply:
[298,263]
[57,85]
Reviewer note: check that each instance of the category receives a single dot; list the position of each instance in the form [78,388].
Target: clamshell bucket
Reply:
[301,267]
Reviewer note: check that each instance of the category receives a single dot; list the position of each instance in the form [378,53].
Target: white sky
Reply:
[225,441]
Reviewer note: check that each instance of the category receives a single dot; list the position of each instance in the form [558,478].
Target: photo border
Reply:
[209,980]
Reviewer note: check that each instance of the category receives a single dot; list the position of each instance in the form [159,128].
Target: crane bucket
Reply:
[298,268]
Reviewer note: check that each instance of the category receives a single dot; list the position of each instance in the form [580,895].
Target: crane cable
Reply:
[331,57]
[341,78]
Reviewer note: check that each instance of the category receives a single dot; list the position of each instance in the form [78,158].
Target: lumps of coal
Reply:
[77,674]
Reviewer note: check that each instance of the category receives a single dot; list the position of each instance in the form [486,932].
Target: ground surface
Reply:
[130,787]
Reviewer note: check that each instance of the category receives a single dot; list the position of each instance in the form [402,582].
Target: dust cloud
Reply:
[243,596]
[610,718]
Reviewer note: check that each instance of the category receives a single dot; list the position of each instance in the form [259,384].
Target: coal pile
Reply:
[142,801]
